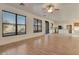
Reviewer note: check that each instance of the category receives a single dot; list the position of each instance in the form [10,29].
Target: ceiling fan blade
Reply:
[57,9]
[22,4]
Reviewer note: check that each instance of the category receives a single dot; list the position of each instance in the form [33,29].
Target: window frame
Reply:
[38,21]
[15,24]
[35,25]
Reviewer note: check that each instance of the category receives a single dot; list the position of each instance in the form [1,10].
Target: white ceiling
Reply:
[67,12]
[35,8]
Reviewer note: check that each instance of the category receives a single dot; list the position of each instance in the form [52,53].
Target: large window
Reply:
[37,25]
[21,29]
[9,23]
[13,24]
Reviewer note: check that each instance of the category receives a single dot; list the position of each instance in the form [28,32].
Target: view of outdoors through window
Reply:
[13,24]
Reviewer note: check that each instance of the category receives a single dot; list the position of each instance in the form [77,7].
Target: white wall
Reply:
[30,34]
[68,14]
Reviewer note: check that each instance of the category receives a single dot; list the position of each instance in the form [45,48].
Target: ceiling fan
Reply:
[50,8]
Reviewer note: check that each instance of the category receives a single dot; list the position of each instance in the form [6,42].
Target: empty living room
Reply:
[39,28]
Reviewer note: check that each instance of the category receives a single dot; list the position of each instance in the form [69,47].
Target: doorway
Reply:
[46,27]
[69,27]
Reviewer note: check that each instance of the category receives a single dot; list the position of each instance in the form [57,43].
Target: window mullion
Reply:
[16,23]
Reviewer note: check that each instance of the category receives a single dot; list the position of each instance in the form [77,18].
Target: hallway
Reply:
[53,44]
